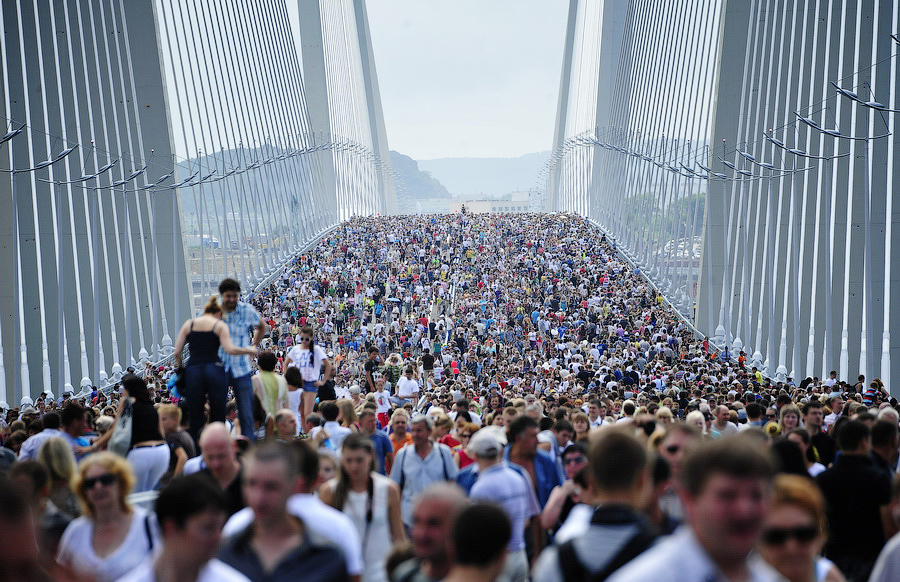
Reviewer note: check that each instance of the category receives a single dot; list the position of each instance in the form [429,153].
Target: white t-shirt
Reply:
[406,387]
[382,402]
[77,551]
[213,571]
[300,360]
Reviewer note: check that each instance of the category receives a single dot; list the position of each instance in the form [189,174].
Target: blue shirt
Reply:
[242,323]
[383,447]
[546,472]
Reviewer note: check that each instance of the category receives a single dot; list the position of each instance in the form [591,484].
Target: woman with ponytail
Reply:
[310,359]
[204,376]
[370,499]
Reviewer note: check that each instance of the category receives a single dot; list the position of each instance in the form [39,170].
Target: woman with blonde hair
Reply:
[788,418]
[664,416]
[205,375]
[794,532]
[696,418]
[443,426]
[348,417]
[56,456]
[111,537]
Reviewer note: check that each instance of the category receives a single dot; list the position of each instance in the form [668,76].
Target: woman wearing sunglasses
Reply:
[794,532]
[314,366]
[566,496]
[111,537]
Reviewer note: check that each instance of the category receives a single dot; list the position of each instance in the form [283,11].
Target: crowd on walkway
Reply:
[457,397]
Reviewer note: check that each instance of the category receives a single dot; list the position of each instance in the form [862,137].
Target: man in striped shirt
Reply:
[512,491]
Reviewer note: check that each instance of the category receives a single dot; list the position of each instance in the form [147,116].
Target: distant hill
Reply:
[418,184]
[487,176]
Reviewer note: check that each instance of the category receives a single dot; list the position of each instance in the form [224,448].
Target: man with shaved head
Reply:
[219,455]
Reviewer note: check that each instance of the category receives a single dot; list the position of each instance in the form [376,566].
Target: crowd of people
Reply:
[452,397]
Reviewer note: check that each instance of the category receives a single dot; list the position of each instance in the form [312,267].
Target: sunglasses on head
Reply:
[778,536]
[106,480]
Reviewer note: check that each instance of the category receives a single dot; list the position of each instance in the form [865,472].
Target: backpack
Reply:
[403,464]
[574,571]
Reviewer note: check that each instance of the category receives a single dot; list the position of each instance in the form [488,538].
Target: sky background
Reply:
[468,78]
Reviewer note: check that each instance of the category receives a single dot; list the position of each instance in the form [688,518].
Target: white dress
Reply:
[376,538]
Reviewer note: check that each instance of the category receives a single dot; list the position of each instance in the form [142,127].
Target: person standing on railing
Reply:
[205,375]
[241,317]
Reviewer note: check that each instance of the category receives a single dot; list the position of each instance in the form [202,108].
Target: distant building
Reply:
[515,202]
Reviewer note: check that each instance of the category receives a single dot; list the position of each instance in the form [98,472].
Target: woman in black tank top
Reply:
[204,375]
[148,453]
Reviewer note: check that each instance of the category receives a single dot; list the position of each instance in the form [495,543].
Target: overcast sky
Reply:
[468,78]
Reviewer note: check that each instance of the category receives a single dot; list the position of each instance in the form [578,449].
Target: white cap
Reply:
[4,405]
[26,400]
[486,443]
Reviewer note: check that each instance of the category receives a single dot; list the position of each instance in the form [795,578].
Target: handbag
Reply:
[120,441]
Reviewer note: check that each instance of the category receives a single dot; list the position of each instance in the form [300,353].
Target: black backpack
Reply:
[574,571]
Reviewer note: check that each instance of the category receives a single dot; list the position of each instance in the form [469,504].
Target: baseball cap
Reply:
[486,443]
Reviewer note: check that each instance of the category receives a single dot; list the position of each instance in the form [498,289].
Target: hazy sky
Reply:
[468,78]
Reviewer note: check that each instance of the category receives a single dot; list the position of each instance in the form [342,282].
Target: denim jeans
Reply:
[243,395]
[204,381]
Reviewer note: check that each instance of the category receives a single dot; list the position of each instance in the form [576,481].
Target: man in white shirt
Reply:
[597,412]
[191,512]
[407,389]
[722,426]
[837,406]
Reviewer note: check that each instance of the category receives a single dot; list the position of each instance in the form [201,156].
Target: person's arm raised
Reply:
[104,438]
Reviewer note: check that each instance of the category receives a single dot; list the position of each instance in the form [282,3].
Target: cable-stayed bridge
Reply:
[742,155]
[153,147]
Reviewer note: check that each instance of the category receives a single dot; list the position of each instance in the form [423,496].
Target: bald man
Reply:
[286,424]
[219,462]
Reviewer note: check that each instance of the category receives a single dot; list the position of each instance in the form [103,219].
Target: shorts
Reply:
[310,386]
[384,419]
